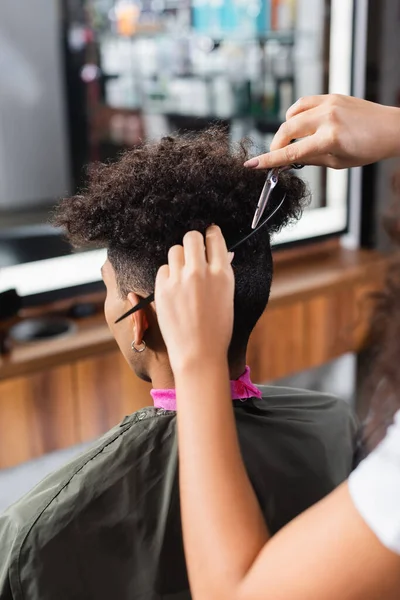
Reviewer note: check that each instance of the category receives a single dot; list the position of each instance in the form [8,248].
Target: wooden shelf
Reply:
[92,338]
[320,308]
[322,273]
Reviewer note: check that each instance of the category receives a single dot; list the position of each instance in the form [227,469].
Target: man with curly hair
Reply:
[108,524]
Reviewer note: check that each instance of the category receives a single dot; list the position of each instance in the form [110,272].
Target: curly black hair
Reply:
[141,205]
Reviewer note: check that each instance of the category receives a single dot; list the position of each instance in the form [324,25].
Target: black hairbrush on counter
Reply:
[10,305]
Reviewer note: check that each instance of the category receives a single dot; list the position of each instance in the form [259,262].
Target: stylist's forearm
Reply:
[222,523]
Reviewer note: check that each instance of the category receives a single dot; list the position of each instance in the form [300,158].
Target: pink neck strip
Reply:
[241,389]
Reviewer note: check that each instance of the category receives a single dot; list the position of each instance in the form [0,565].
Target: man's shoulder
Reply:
[95,486]
[75,485]
[130,433]
[305,408]
[303,399]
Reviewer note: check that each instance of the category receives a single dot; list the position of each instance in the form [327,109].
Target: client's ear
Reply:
[138,319]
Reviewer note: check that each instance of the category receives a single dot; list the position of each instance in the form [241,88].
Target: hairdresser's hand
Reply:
[334,131]
[194,300]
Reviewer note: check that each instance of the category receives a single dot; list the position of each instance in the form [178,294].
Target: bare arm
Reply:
[223,526]
[328,552]
[334,131]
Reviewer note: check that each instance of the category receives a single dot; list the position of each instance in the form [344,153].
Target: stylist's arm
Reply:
[334,131]
[328,553]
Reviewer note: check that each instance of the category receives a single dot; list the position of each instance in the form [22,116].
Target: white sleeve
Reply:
[375,489]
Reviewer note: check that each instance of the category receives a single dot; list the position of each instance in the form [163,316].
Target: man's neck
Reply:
[237,368]
[162,378]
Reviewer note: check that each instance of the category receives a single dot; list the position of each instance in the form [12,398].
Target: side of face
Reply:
[131,329]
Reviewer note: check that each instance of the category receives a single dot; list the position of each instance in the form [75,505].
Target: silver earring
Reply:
[141,349]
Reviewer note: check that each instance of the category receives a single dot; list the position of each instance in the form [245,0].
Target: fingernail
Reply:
[231,256]
[252,163]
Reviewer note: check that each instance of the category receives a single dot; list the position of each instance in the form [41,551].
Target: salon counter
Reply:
[54,394]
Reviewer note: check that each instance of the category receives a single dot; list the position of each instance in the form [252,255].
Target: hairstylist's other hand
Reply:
[334,131]
[194,300]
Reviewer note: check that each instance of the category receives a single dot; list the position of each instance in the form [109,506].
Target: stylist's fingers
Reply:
[298,127]
[176,260]
[195,256]
[217,252]
[303,151]
[305,103]
[161,280]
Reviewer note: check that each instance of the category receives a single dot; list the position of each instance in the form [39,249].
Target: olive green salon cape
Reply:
[107,525]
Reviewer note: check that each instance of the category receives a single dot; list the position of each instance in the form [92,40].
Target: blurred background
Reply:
[80,81]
